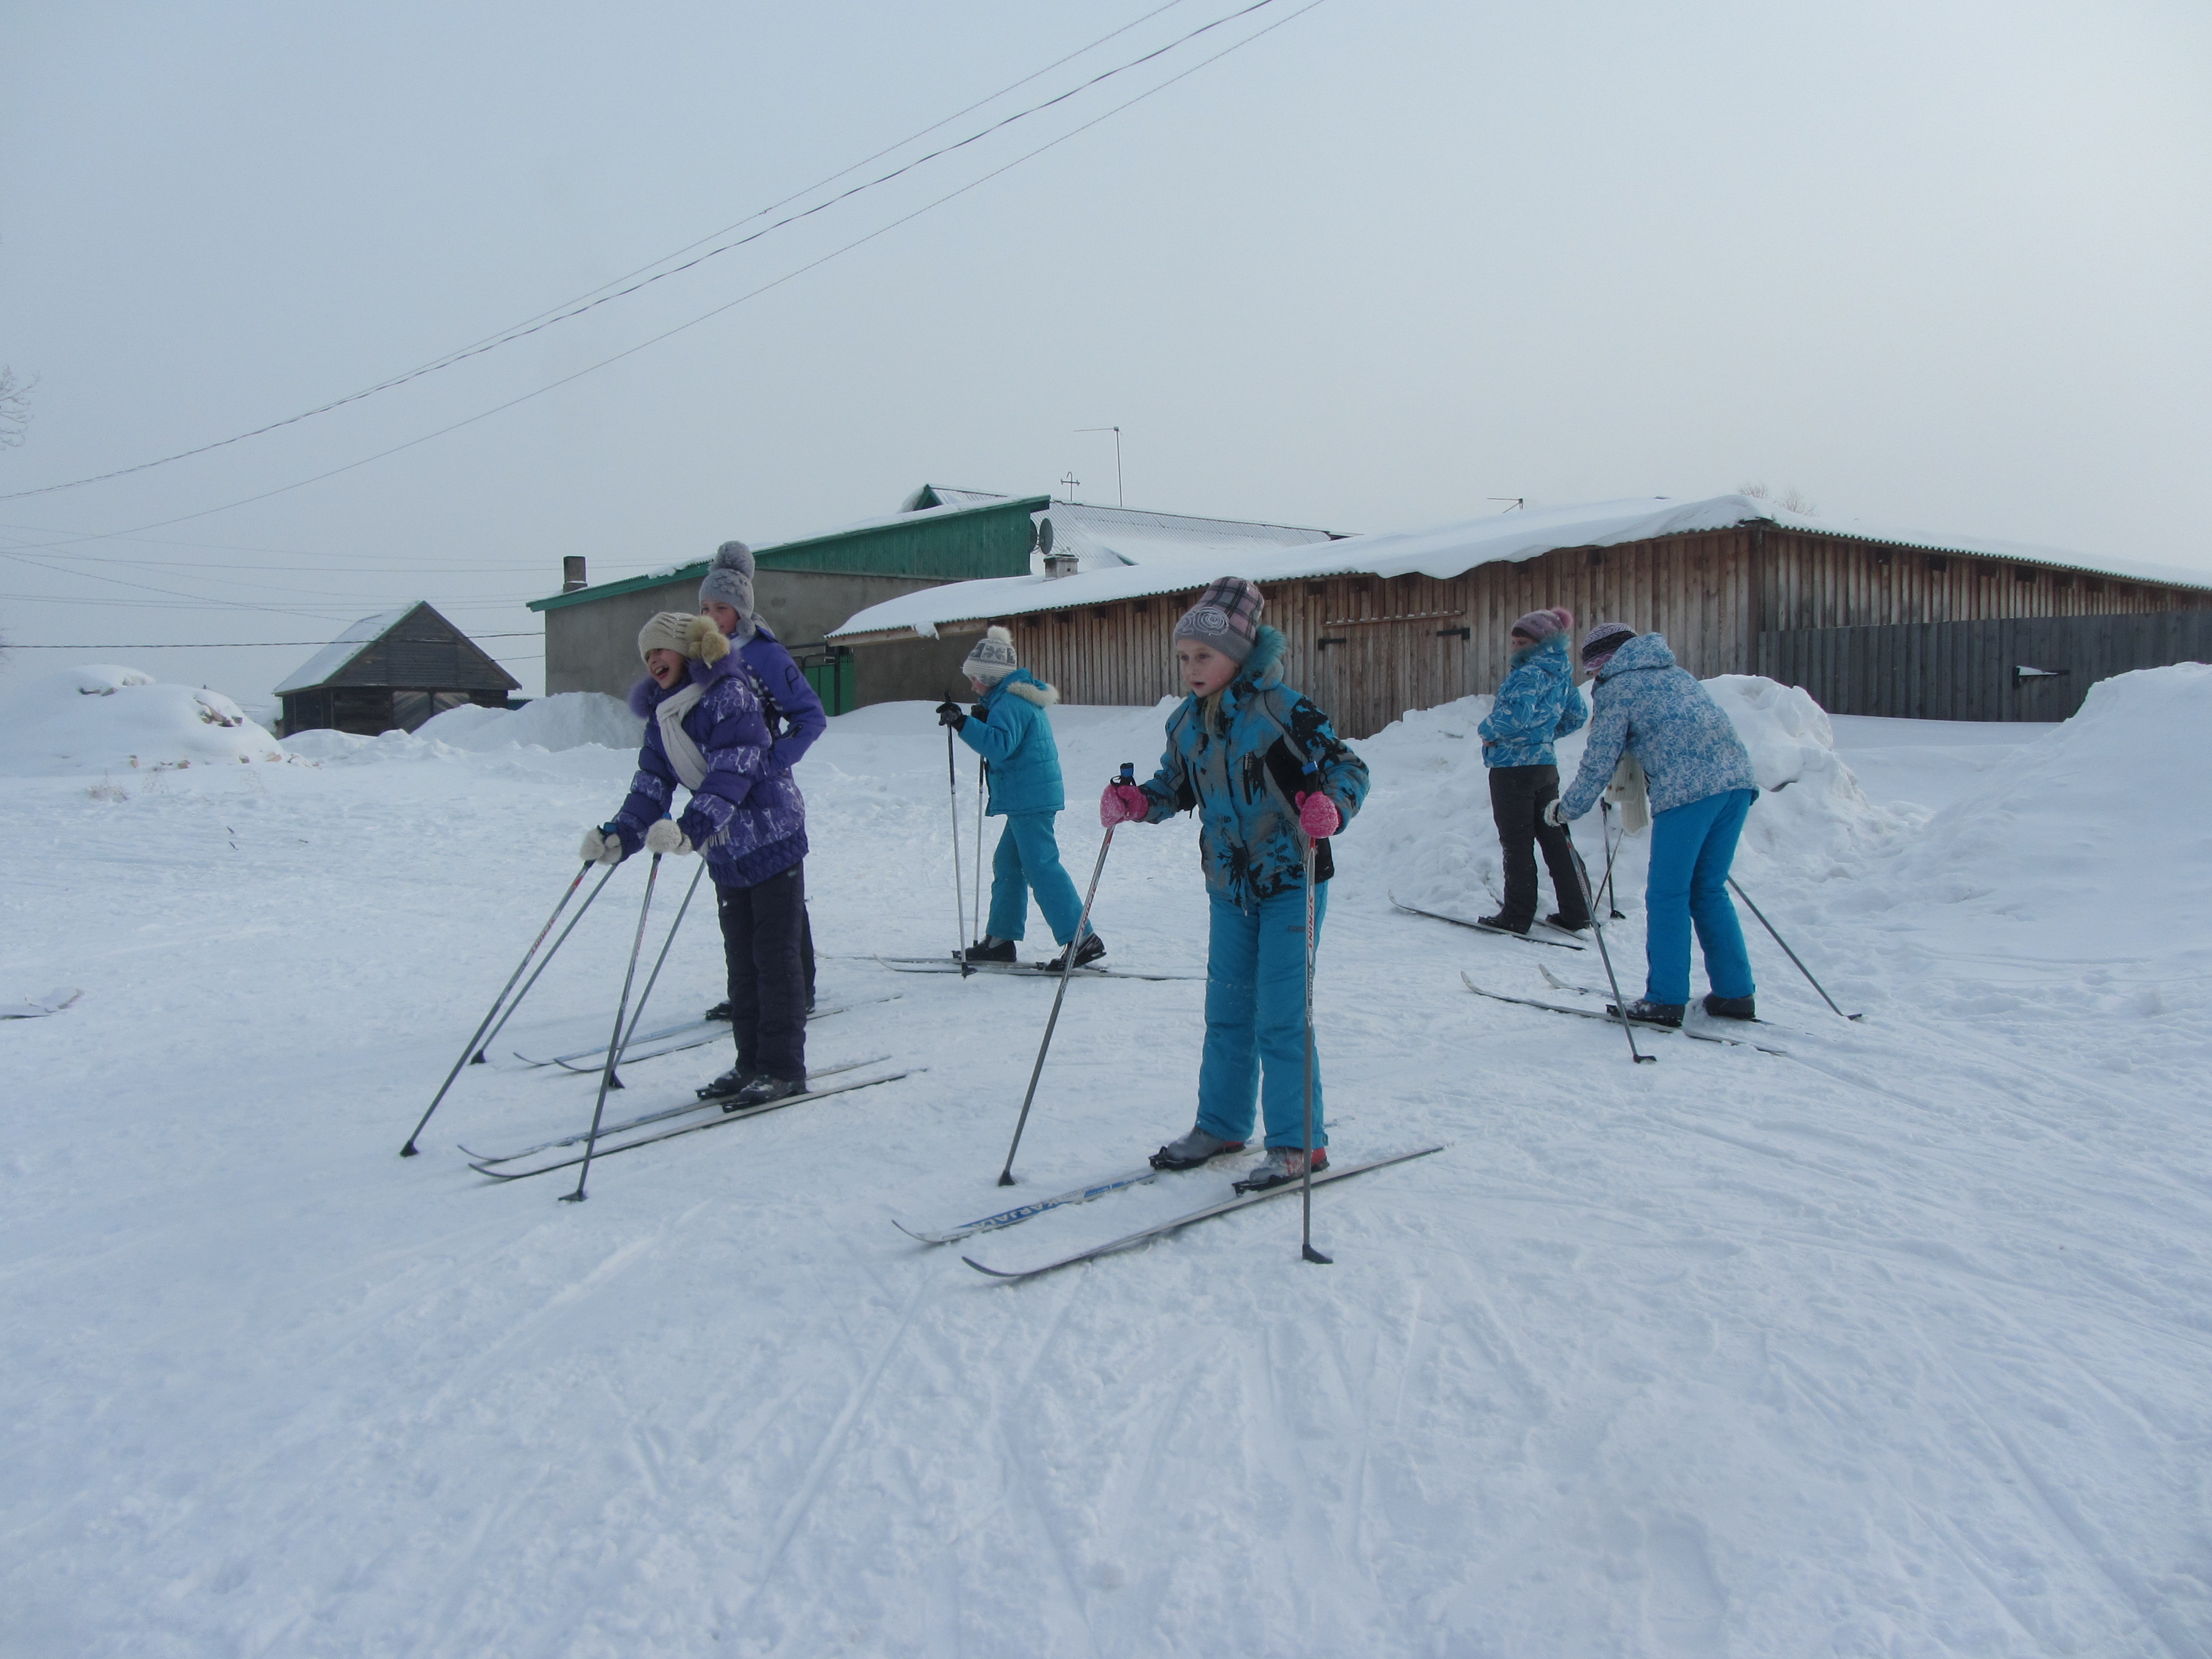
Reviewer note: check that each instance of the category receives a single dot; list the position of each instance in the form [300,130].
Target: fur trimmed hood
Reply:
[1266,663]
[1027,687]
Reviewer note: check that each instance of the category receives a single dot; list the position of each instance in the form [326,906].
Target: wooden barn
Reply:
[392,671]
[1380,625]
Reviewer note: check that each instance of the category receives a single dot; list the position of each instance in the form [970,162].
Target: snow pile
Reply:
[1812,817]
[570,720]
[2091,839]
[103,717]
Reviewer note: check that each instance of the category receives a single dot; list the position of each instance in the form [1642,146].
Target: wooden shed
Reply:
[392,670]
[1378,625]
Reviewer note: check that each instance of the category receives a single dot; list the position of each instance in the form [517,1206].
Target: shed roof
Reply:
[1443,551]
[431,655]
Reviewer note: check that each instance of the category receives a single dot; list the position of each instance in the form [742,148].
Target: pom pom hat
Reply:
[684,633]
[993,658]
[1541,625]
[1225,618]
[730,579]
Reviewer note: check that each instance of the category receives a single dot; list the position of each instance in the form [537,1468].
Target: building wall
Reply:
[592,647]
[978,542]
[1368,648]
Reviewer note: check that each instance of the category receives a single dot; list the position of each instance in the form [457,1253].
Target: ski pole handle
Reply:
[1129,773]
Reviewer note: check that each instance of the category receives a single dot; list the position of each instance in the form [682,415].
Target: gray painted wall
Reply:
[592,647]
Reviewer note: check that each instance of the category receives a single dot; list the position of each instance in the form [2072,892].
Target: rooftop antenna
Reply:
[1517,501]
[1071,481]
[1119,499]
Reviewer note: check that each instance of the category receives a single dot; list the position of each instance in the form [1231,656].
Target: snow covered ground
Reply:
[1897,1344]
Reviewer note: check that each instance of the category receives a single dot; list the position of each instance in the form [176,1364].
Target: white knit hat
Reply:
[993,658]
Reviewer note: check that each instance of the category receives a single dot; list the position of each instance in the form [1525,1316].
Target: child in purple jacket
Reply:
[704,729]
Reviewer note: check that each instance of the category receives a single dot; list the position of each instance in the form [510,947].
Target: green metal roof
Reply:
[957,543]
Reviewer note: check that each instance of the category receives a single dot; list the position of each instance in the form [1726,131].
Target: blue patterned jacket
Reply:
[1241,774]
[747,816]
[1537,703]
[1659,712]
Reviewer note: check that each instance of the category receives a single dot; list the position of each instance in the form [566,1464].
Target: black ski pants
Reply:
[1518,795]
[763,926]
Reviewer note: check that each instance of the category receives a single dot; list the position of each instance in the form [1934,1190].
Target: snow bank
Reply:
[105,717]
[2091,839]
[1812,817]
[569,719]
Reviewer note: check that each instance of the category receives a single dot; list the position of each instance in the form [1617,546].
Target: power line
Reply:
[705,316]
[241,645]
[585,301]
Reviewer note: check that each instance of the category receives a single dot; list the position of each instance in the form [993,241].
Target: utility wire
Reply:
[667,334]
[241,644]
[582,303]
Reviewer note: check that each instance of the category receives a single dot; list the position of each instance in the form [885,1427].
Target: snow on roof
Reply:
[1109,537]
[334,657]
[1443,551]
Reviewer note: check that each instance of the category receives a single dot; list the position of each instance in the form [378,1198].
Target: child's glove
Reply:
[1318,816]
[1123,803]
[948,714]
[601,846]
[665,838]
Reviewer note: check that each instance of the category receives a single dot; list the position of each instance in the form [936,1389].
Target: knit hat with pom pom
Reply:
[993,658]
[730,580]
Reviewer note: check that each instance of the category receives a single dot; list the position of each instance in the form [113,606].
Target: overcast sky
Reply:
[1939,264]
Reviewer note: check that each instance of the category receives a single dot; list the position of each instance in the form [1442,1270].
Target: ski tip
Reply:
[919,1238]
[995,1273]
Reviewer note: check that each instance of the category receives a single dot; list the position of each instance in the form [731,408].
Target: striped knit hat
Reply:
[1601,642]
[1225,618]
[1541,625]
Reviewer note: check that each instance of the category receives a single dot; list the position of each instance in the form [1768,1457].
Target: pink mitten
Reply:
[1318,816]
[1123,803]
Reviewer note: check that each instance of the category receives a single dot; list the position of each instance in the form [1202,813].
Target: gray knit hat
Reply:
[1601,642]
[1226,618]
[730,579]
[993,658]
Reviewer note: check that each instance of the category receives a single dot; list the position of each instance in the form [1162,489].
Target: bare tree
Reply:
[14,407]
[1789,501]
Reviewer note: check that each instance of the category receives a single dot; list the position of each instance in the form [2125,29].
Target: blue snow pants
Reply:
[1027,861]
[1692,849]
[1255,1020]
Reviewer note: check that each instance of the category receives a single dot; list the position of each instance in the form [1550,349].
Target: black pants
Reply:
[1518,798]
[763,926]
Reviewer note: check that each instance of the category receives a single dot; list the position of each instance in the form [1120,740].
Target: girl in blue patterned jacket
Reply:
[1259,766]
[704,729]
[1536,704]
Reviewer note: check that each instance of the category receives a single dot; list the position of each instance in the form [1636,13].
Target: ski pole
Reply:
[484,1048]
[975,893]
[1791,954]
[959,900]
[614,1037]
[1605,889]
[1067,972]
[654,978]
[1306,1250]
[1620,1004]
[409,1150]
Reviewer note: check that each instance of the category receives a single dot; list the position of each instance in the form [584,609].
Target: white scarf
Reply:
[683,753]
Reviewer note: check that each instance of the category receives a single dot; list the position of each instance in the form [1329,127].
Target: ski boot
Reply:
[1089,951]
[720,1010]
[1642,1011]
[1498,924]
[1281,1166]
[1555,920]
[732,1083]
[763,1090]
[1721,1007]
[987,949]
[1194,1149]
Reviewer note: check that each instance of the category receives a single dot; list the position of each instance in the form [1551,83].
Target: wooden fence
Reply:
[2015,668]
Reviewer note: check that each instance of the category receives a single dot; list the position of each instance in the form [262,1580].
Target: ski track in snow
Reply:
[1895,1347]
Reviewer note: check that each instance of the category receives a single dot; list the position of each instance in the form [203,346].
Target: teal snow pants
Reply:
[1255,1020]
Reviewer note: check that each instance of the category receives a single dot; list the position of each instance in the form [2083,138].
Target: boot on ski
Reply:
[1556,920]
[1281,1166]
[720,1010]
[1193,1150]
[1501,923]
[987,949]
[732,1083]
[764,1089]
[1089,951]
[1721,1007]
[1643,1012]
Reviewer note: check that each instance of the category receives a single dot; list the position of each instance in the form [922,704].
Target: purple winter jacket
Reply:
[792,704]
[747,814]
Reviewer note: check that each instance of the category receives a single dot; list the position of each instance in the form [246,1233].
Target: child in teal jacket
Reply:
[1010,731]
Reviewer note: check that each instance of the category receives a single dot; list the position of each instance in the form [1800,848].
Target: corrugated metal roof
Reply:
[332,659]
[1443,551]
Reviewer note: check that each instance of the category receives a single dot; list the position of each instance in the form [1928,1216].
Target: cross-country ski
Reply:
[1526,935]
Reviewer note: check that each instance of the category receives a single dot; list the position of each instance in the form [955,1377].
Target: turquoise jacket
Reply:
[1241,775]
[1011,730]
[1537,703]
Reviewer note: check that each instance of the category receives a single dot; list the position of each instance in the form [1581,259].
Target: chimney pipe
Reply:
[1061,564]
[572,573]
